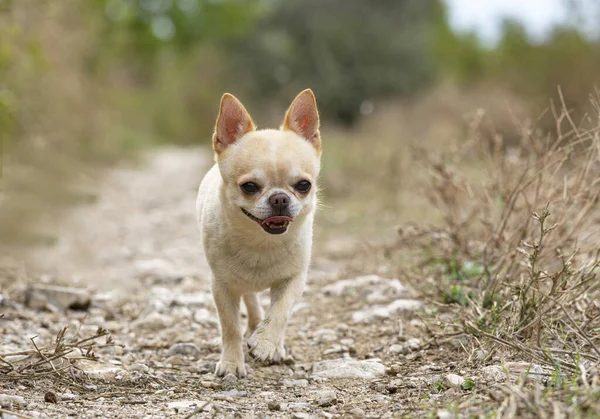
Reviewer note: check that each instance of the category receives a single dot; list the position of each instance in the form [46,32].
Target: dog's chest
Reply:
[258,268]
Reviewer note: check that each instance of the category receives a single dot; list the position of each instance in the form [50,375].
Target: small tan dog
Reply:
[255,209]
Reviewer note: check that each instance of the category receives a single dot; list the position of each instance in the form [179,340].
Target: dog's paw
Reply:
[266,350]
[228,368]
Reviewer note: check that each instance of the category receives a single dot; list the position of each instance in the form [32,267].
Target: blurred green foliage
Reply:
[350,52]
[161,65]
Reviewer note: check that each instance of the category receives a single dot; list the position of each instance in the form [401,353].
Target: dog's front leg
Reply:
[266,343]
[228,308]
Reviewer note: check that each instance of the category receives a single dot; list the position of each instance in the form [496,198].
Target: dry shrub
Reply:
[58,118]
[518,259]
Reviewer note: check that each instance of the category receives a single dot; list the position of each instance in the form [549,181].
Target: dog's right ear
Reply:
[233,123]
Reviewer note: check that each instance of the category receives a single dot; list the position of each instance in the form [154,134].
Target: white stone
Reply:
[153,322]
[349,368]
[204,317]
[41,296]
[453,381]
[327,398]
[8,400]
[295,383]
[493,373]
[186,348]
[99,370]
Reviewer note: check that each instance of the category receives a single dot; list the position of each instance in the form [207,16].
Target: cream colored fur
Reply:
[244,257]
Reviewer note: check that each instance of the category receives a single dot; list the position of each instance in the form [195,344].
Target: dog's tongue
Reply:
[277,219]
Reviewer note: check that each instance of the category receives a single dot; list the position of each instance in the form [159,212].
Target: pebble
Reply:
[300,415]
[153,322]
[39,297]
[198,299]
[185,405]
[230,394]
[138,366]
[295,383]
[398,349]
[158,269]
[414,344]
[204,317]
[453,381]
[8,400]
[68,396]
[349,368]
[185,348]
[493,373]
[444,414]
[99,370]
[357,413]
[385,312]
[274,406]
[327,398]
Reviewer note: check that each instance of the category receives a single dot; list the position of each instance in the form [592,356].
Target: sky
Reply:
[485,16]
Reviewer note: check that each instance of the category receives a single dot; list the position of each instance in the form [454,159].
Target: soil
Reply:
[137,250]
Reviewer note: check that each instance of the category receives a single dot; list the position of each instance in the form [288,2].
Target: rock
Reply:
[158,269]
[384,312]
[98,370]
[372,313]
[176,360]
[326,335]
[444,414]
[185,348]
[387,290]
[230,394]
[357,413]
[205,317]
[68,396]
[453,381]
[534,372]
[50,397]
[295,383]
[327,398]
[398,349]
[41,296]
[198,299]
[182,406]
[493,373]
[230,378]
[414,344]
[403,304]
[343,287]
[8,401]
[274,406]
[138,366]
[153,322]
[335,349]
[300,415]
[348,368]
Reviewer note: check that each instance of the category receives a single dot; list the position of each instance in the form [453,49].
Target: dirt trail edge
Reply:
[357,343]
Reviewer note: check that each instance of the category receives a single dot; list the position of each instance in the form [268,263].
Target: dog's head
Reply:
[269,175]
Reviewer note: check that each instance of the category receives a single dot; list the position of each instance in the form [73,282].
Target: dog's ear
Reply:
[232,123]
[302,117]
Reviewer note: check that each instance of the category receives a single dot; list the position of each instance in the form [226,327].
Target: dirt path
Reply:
[137,250]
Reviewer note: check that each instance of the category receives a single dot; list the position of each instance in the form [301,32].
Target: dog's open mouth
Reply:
[276,224]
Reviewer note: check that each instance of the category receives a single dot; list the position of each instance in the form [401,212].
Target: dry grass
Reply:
[516,262]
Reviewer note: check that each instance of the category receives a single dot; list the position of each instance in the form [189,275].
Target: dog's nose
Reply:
[279,201]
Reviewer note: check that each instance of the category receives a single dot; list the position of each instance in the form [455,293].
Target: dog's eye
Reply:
[303,186]
[250,188]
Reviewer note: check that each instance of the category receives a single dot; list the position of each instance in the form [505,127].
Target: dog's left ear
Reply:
[302,117]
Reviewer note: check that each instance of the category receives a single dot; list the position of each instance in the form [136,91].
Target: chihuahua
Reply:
[255,209]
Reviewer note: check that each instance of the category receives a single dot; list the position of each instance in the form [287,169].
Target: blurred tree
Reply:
[349,51]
